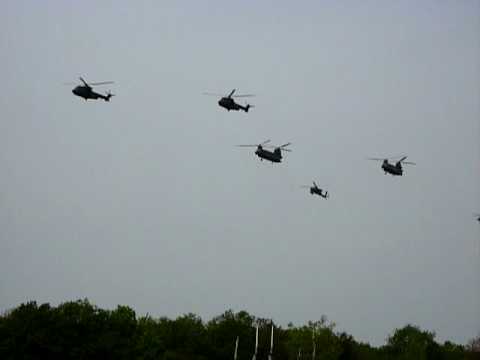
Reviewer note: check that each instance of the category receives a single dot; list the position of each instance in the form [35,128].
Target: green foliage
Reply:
[410,342]
[80,330]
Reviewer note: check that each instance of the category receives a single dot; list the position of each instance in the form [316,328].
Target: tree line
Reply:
[80,330]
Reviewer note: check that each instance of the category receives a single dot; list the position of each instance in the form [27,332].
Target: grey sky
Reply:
[145,201]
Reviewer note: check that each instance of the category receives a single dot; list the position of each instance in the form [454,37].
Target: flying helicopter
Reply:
[393,169]
[316,190]
[274,156]
[85,91]
[229,103]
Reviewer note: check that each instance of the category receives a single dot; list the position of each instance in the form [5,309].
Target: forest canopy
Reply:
[81,330]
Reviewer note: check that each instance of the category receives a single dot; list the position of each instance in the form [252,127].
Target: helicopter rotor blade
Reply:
[212,94]
[102,83]
[243,95]
[401,157]
[230,95]
[315,184]
[265,142]
[305,186]
[406,162]
[283,147]
[81,79]
[247,145]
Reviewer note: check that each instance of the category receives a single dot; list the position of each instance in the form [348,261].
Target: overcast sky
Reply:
[146,201]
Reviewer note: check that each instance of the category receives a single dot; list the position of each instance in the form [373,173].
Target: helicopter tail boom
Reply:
[108,96]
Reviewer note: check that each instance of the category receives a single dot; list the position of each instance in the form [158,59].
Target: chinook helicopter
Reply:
[274,156]
[229,103]
[393,169]
[316,190]
[85,91]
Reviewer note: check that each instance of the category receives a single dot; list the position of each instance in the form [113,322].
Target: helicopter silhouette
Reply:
[393,169]
[85,91]
[229,103]
[316,190]
[274,156]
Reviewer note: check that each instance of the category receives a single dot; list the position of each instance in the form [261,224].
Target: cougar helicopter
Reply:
[229,103]
[316,190]
[274,156]
[393,169]
[85,91]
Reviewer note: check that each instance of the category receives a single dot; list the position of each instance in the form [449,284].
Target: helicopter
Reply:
[316,190]
[393,169]
[229,103]
[85,91]
[274,156]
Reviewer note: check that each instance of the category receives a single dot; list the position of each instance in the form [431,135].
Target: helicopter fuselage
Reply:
[317,191]
[274,156]
[230,104]
[392,169]
[86,93]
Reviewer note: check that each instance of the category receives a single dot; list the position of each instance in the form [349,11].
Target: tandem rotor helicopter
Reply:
[229,103]
[316,190]
[85,91]
[274,156]
[393,169]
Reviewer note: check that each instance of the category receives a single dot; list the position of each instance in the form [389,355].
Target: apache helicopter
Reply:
[85,91]
[316,190]
[393,169]
[274,156]
[229,103]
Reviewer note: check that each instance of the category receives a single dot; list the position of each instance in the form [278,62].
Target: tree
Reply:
[474,345]
[224,329]
[410,342]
